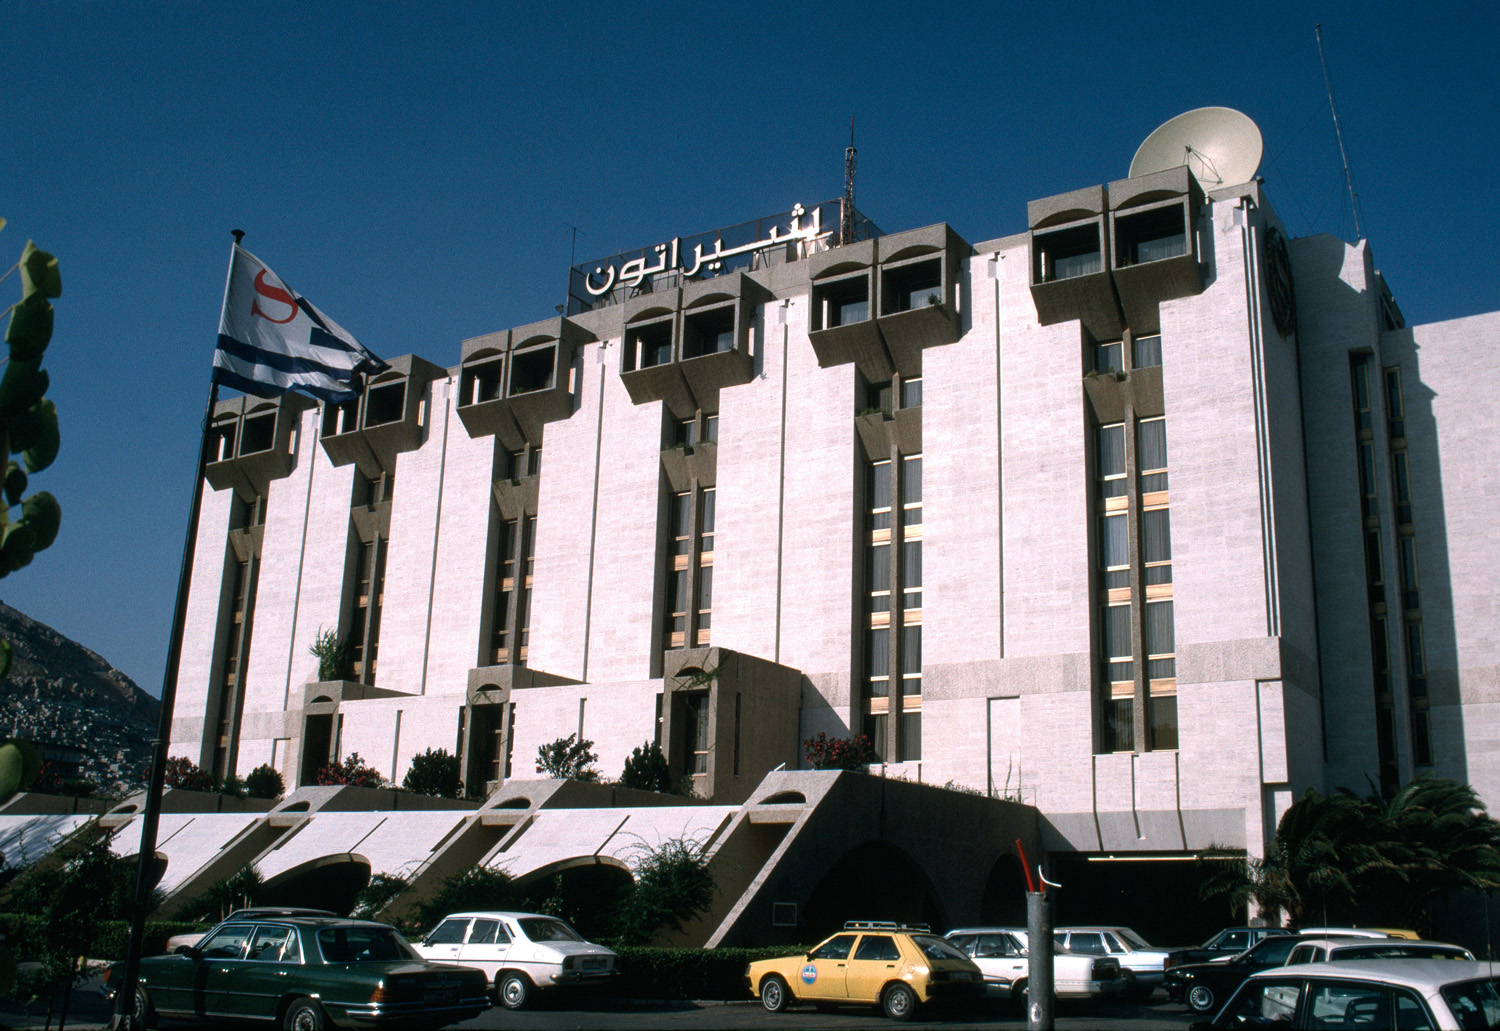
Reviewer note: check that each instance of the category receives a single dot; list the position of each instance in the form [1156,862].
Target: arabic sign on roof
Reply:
[750,245]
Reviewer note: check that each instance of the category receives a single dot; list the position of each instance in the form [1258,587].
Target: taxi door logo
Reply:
[809,973]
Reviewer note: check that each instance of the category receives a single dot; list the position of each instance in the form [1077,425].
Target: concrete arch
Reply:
[328,882]
[1004,902]
[585,863]
[876,880]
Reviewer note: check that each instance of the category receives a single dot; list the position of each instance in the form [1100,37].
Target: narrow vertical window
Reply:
[1111,440]
[528,571]
[1152,456]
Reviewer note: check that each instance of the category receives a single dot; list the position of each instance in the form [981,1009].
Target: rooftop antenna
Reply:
[1339,132]
[846,214]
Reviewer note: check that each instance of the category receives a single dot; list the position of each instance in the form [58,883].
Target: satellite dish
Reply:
[1219,145]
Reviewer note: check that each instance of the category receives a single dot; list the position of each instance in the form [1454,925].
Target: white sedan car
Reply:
[1001,955]
[1370,995]
[521,953]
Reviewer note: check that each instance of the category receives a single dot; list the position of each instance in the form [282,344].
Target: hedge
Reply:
[23,933]
[654,973]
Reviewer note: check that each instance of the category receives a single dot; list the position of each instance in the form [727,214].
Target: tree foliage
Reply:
[265,782]
[647,769]
[335,655]
[353,771]
[477,888]
[1339,858]
[672,886]
[568,758]
[184,774]
[74,890]
[839,753]
[434,772]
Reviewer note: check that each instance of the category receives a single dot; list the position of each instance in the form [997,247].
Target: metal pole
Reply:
[124,1014]
[1039,948]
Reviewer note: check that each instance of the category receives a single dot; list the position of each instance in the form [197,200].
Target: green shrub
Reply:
[265,782]
[434,772]
[568,758]
[647,769]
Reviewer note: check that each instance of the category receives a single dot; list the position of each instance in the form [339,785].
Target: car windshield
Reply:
[1134,940]
[1476,1004]
[936,948]
[1397,950]
[362,944]
[546,929]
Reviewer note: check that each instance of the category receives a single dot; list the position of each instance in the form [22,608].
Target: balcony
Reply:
[387,419]
[251,442]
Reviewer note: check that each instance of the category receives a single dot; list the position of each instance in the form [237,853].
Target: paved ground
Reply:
[88,1011]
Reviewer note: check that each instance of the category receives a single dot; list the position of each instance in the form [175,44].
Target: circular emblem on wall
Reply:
[1279,282]
[810,973]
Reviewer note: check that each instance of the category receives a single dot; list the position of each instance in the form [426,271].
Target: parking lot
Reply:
[89,1012]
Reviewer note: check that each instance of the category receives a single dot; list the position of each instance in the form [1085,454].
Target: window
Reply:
[528,572]
[1114,550]
[1152,454]
[1147,352]
[1111,441]
[366,602]
[504,590]
[892,607]
[1109,357]
[234,651]
[911,392]
[1136,633]
[1395,409]
[1370,512]
[689,601]
[696,745]
[1156,545]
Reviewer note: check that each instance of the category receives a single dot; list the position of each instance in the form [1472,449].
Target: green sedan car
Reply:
[305,974]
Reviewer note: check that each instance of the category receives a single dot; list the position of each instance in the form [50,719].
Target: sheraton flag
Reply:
[272,340]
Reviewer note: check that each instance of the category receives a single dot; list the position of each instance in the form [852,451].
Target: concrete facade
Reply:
[1272,683]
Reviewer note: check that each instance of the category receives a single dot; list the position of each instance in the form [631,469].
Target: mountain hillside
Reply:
[89,719]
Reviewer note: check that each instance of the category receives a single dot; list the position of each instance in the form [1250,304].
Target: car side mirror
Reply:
[190,951]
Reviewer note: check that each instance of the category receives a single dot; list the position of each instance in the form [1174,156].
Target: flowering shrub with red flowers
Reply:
[352,771]
[182,772]
[839,753]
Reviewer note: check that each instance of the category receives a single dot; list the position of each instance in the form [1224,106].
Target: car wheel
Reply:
[145,1013]
[513,990]
[1200,998]
[1021,993]
[775,996]
[899,1002]
[304,1015]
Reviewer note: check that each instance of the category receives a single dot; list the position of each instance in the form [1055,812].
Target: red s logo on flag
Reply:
[274,293]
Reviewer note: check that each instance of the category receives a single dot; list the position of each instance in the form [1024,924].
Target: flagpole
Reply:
[125,989]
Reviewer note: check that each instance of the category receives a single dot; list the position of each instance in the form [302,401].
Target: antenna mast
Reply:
[846,215]
[1339,132]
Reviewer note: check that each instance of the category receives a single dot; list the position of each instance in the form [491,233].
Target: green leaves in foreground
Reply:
[28,420]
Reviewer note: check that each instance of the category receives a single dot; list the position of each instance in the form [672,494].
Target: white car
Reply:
[521,953]
[1145,962]
[1001,955]
[1409,994]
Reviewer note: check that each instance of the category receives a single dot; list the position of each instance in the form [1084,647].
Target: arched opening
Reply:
[874,881]
[329,882]
[1004,903]
[583,893]
[519,802]
[785,798]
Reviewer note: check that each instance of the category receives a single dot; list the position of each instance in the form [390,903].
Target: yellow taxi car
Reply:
[895,966]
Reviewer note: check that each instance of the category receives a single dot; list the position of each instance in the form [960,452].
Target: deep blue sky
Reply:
[415,168]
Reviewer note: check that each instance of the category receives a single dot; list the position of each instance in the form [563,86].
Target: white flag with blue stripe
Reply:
[272,340]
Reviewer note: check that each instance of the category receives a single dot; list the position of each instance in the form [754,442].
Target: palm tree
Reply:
[1321,853]
[1438,838]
